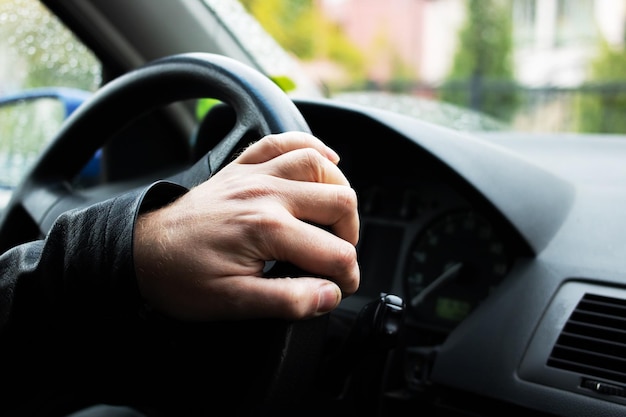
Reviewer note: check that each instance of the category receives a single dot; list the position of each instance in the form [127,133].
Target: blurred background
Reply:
[527,65]
[537,65]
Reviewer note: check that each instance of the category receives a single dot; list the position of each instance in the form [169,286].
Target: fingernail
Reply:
[329,297]
[332,155]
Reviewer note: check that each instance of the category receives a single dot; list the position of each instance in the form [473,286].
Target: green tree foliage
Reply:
[482,71]
[302,29]
[289,22]
[602,100]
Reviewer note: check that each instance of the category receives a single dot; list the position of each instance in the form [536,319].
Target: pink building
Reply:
[553,39]
[388,30]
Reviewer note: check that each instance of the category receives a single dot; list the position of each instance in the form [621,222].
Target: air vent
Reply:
[593,341]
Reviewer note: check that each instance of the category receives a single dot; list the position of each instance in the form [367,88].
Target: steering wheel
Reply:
[274,372]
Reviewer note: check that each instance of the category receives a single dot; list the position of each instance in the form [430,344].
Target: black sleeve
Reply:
[73,293]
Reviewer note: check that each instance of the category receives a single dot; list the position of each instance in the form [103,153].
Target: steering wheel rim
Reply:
[45,191]
[260,106]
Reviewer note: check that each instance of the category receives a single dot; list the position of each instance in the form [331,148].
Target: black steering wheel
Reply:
[276,368]
[260,105]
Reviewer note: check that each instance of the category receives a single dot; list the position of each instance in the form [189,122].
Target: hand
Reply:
[202,257]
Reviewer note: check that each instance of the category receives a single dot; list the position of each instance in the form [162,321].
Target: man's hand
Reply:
[202,257]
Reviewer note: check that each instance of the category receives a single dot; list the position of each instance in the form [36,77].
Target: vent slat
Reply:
[588,370]
[591,358]
[593,341]
[601,301]
[616,339]
[603,320]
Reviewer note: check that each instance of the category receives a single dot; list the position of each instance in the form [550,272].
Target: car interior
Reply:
[492,263]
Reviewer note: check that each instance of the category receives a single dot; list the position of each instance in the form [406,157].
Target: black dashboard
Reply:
[507,250]
[491,240]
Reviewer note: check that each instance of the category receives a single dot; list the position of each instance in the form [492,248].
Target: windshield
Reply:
[525,65]
[472,65]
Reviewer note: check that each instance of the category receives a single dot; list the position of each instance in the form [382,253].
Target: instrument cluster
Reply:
[430,245]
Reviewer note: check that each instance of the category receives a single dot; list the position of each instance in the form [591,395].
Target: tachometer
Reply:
[452,266]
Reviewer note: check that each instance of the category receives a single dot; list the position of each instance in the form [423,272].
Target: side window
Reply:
[45,72]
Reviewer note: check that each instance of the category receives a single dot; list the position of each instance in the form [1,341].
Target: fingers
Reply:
[319,252]
[306,164]
[284,198]
[285,298]
[312,189]
[309,184]
[272,146]
[328,205]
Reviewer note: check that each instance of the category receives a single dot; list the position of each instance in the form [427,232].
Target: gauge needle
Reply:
[447,275]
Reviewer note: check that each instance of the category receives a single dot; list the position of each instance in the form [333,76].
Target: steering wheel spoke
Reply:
[221,154]
[228,147]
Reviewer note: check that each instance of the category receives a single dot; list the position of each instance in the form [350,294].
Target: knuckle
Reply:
[295,305]
[269,223]
[347,198]
[273,142]
[264,227]
[312,162]
[346,257]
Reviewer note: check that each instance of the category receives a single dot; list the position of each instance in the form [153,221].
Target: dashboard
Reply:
[491,240]
[507,252]
[442,254]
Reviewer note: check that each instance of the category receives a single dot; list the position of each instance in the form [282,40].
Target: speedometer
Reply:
[452,266]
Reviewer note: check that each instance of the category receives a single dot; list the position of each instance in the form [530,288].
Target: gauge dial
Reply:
[452,266]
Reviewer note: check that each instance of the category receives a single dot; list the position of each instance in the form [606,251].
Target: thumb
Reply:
[284,298]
